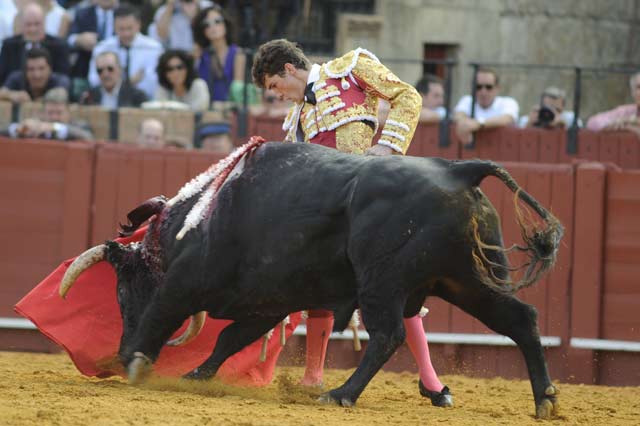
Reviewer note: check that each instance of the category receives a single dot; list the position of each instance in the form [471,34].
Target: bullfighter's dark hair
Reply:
[199,25]
[272,57]
[163,64]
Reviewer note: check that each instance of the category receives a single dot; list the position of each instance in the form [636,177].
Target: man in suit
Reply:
[91,25]
[112,92]
[137,53]
[12,55]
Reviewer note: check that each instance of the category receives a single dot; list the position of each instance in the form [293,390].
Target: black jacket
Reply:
[127,97]
[86,20]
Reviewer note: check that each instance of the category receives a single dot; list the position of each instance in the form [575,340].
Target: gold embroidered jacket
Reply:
[345,115]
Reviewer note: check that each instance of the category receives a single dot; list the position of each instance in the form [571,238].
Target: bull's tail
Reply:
[541,240]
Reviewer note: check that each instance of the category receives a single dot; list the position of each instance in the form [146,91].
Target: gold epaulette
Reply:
[342,66]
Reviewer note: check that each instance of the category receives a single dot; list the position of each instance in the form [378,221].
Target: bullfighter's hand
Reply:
[380,150]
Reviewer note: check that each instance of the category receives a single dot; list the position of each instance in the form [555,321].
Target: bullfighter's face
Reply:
[289,85]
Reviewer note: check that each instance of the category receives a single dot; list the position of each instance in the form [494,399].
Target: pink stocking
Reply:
[417,341]
[318,332]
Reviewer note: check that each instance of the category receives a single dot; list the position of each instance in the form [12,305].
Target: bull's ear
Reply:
[115,252]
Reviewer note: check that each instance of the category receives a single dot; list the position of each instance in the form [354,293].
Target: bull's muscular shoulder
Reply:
[342,66]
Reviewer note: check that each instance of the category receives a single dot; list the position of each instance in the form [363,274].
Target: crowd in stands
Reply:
[100,52]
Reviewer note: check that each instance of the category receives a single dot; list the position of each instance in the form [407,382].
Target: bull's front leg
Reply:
[386,333]
[162,317]
[235,337]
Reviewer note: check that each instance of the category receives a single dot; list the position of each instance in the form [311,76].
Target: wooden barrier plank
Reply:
[562,206]
[529,145]
[152,173]
[588,147]
[629,151]
[539,186]
[105,194]
[76,200]
[176,172]
[609,149]
[550,145]
[621,297]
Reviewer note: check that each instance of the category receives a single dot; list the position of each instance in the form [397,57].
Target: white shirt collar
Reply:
[314,74]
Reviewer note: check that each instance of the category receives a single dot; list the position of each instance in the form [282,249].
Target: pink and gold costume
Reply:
[345,115]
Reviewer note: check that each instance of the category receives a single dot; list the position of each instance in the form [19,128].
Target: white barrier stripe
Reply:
[17,323]
[445,338]
[605,345]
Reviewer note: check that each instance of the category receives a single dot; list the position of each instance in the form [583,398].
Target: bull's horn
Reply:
[195,326]
[82,262]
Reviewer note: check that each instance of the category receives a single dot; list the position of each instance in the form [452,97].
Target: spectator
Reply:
[91,25]
[56,18]
[112,92]
[151,134]
[35,80]
[172,23]
[55,122]
[14,48]
[220,62]
[271,106]
[624,117]
[431,89]
[550,112]
[491,110]
[179,82]
[214,137]
[137,53]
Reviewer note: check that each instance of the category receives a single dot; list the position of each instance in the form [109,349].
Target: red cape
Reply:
[88,326]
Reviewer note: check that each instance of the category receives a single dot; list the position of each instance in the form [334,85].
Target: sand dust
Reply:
[43,389]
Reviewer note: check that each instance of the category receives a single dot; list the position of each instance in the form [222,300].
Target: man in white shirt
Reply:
[431,89]
[490,109]
[137,53]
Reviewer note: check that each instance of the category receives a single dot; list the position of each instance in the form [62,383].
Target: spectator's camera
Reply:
[545,116]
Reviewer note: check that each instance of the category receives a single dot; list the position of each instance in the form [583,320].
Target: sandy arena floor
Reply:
[40,389]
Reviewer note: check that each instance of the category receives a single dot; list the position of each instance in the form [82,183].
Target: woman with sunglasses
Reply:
[179,82]
[220,62]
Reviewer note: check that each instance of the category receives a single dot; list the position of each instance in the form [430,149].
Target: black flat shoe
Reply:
[438,399]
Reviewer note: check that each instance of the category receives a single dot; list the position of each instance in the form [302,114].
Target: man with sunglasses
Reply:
[112,92]
[490,109]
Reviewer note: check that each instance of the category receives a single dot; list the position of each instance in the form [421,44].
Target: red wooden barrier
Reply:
[621,291]
[128,175]
[45,189]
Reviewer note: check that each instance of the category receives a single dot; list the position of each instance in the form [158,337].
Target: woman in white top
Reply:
[178,82]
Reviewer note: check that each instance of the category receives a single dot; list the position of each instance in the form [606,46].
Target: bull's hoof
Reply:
[327,398]
[438,399]
[549,406]
[139,368]
[197,374]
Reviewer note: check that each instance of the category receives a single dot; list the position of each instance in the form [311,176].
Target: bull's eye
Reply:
[121,291]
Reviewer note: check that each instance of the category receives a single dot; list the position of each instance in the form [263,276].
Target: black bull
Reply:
[305,227]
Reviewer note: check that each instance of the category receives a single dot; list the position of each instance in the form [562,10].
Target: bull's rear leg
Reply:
[231,340]
[383,319]
[511,317]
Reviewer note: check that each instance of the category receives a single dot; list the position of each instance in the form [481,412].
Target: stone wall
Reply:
[587,33]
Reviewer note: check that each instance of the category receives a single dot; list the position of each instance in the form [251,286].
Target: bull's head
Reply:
[136,286]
